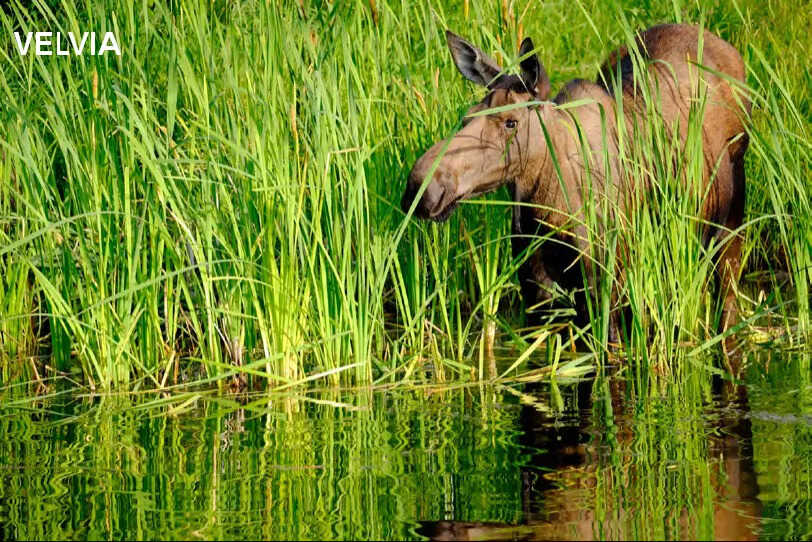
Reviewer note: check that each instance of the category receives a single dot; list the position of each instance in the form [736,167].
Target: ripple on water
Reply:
[455,463]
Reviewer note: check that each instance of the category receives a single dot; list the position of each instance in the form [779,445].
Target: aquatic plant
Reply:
[222,198]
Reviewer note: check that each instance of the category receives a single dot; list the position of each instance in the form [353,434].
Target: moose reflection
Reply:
[577,485]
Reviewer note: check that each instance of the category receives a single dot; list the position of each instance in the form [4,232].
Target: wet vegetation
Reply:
[219,208]
[226,193]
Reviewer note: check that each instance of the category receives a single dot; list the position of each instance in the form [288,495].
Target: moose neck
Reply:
[578,159]
[539,185]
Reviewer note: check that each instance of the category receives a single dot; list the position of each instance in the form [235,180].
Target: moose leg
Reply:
[536,284]
[620,321]
[537,291]
[729,264]
[728,270]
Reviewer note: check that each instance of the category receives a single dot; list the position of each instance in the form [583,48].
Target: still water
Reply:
[605,458]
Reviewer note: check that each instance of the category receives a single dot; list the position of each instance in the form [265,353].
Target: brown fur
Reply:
[490,150]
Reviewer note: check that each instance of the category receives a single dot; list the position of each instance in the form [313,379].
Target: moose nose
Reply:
[409,195]
[432,196]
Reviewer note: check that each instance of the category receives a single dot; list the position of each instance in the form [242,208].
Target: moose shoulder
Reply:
[538,151]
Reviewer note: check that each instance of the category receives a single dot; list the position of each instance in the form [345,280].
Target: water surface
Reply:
[603,459]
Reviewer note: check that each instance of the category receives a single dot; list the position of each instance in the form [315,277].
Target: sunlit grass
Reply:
[226,194]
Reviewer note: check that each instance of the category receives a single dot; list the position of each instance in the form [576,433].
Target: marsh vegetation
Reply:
[226,193]
[219,208]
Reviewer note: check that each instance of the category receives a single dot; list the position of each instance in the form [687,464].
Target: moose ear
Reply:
[534,76]
[473,64]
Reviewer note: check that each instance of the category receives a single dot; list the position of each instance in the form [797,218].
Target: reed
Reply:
[222,197]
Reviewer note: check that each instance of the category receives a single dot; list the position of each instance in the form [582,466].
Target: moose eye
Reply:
[510,124]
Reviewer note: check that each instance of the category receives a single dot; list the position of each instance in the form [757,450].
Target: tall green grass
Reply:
[226,193]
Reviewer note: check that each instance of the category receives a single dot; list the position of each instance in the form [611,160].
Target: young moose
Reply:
[536,150]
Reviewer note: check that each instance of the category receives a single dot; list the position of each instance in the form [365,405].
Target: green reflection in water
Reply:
[301,470]
[614,462]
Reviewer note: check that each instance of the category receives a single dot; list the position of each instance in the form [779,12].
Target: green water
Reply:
[605,458]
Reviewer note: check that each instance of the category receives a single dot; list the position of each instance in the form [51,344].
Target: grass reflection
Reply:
[603,459]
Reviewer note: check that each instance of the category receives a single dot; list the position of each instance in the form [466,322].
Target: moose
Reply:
[516,136]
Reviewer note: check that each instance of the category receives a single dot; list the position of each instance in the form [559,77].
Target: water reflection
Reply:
[615,461]
[328,467]
[609,471]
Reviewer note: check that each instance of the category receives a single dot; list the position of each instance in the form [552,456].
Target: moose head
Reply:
[493,147]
